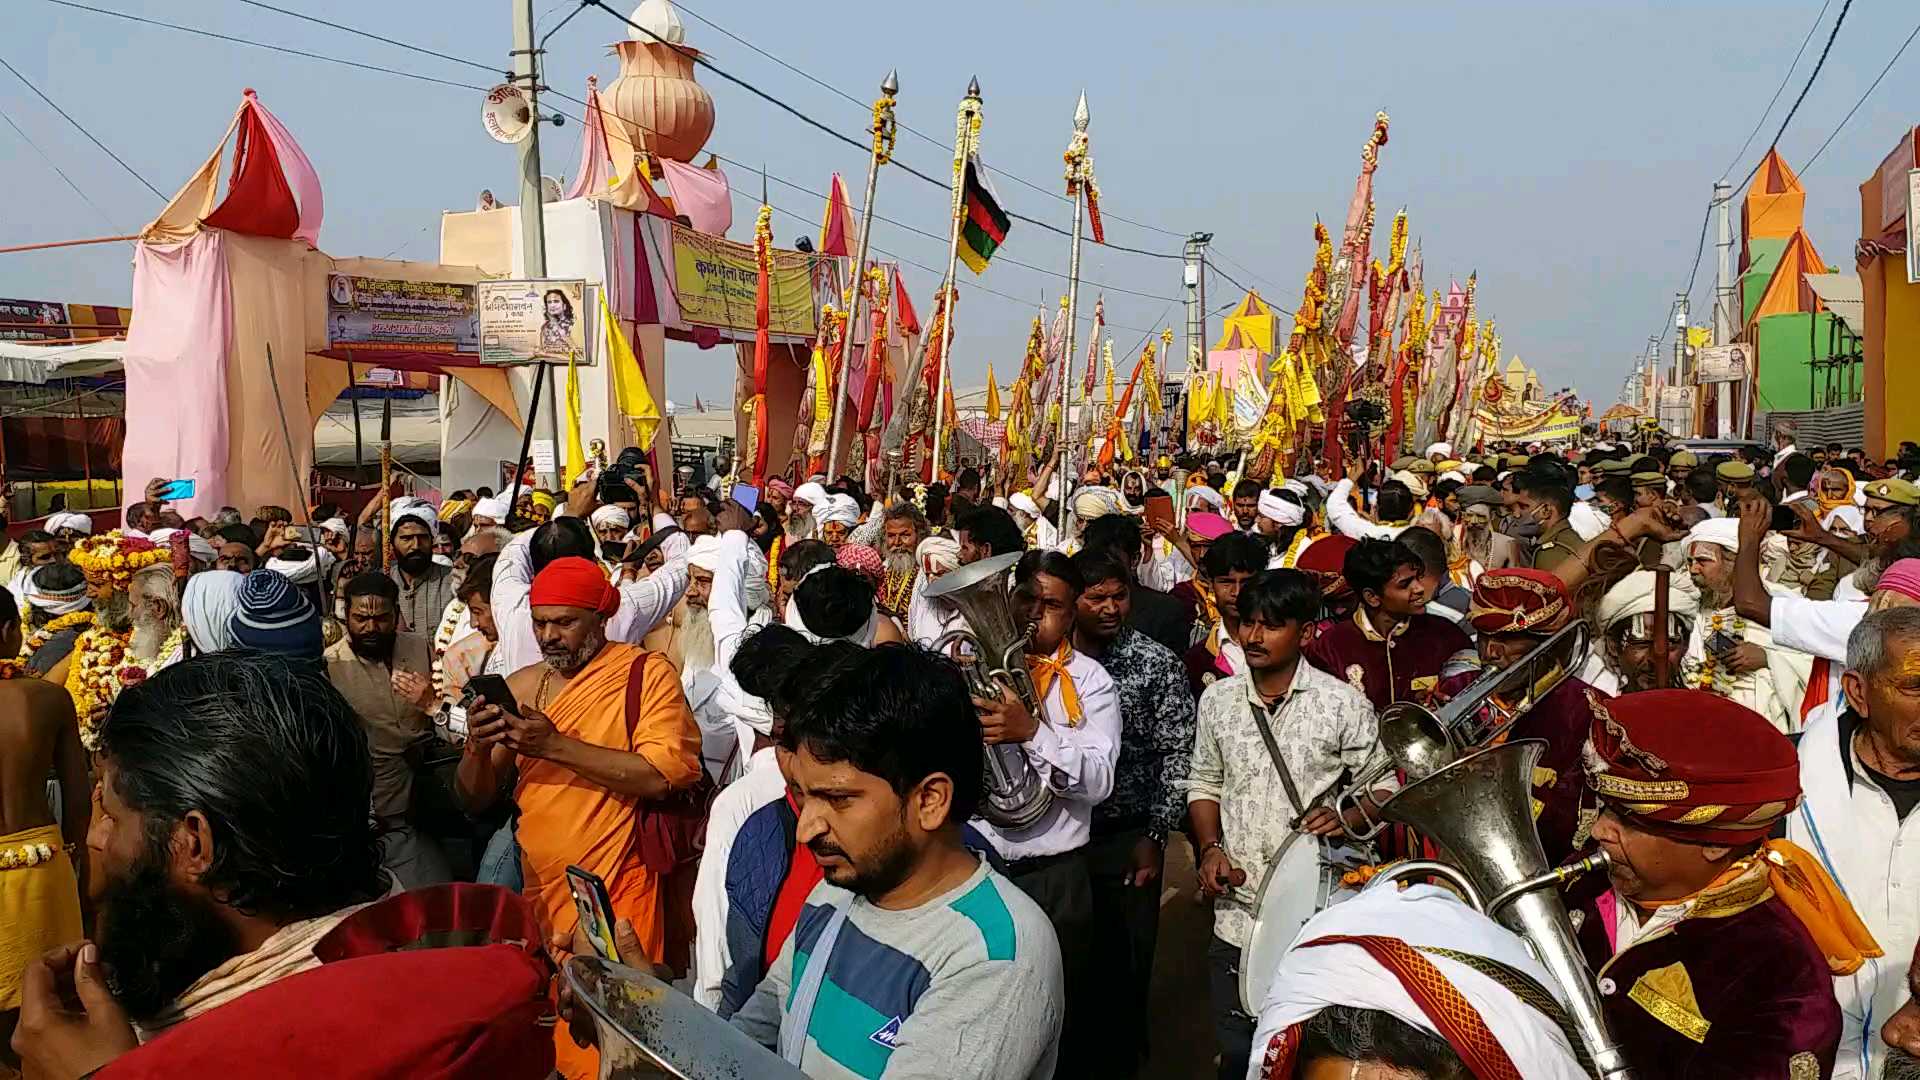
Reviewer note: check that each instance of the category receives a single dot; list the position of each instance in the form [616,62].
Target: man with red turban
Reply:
[597,742]
[1512,612]
[1714,947]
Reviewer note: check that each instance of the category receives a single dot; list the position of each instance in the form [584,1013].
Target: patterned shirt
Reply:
[1156,734]
[1324,727]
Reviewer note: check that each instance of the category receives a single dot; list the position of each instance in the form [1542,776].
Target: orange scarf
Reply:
[1827,503]
[1045,669]
[1801,883]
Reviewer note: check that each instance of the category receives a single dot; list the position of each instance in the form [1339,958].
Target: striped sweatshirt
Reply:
[966,986]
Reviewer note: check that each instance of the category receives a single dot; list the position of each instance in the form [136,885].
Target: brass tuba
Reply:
[1016,796]
[1474,800]
[1419,740]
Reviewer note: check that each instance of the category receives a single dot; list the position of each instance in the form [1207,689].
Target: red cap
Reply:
[575,582]
[1692,765]
[1519,602]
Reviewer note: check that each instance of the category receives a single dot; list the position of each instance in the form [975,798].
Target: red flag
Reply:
[1093,342]
[836,229]
[763,257]
[904,316]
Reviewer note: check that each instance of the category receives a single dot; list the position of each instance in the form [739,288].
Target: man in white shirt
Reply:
[1074,752]
[642,603]
[1860,770]
[1244,812]
[1393,506]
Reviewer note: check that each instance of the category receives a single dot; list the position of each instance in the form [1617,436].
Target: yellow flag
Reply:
[1109,361]
[1699,337]
[630,393]
[993,396]
[576,453]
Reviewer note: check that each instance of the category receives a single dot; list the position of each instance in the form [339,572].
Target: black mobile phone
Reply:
[1783,519]
[1720,643]
[596,911]
[494,688]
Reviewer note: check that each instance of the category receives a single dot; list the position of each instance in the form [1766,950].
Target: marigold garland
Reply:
[116,557]
[15,669]
[46,633]
[103,664]
[25,855]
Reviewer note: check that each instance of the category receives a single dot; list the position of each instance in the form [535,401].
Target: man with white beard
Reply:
[154,613]
[1730,655]
[717,739]
[808,500]
[903,528]
[727,595]
[927,619]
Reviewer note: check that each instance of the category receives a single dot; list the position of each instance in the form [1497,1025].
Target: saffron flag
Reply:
[836,228]
[993,396]
[630,393]
[983,224]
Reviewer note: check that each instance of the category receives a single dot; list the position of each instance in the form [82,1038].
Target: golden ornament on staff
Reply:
[882,131]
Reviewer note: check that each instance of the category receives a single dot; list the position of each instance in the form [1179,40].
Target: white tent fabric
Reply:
[39,364]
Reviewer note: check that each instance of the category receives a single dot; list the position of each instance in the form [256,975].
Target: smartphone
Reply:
[1783,519]
[747,496]
[1159,509]
[494,688]
[177,489]
[1720,643]
[596,911]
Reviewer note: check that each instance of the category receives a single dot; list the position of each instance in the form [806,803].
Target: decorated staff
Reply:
[980,226]
[883,131]
[1079,177]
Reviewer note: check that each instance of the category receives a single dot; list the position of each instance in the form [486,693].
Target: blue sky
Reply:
[1565,150]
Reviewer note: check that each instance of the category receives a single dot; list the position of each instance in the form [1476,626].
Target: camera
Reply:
[630,465]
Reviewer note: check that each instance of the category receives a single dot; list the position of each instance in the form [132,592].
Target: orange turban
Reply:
[575,582]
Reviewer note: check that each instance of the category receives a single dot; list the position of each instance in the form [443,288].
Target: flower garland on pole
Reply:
[883,131]
[756,407]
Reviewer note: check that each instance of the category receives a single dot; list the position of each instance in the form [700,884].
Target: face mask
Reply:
[1522,528]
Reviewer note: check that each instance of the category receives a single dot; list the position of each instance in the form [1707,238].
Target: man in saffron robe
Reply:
[600,730]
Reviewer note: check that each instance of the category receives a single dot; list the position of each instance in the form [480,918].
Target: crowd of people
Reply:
[272,783]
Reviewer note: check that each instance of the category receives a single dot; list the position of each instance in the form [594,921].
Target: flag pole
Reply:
[965,133]
[883,132]
[1079,170]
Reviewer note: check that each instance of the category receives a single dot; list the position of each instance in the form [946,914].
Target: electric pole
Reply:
[1682,371]
[1723,309]
[533,231]
[1195,278]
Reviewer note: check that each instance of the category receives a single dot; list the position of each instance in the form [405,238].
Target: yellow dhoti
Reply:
[40,902]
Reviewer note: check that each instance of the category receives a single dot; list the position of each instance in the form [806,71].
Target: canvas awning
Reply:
[1841,294]
[40,364]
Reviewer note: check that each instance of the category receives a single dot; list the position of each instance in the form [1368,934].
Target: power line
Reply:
[1778,90]
[79,127]
[948,148]
[263,45]
[51,164]
[702,61]
[1817,65]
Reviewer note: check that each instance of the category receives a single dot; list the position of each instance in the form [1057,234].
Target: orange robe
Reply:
[567,820]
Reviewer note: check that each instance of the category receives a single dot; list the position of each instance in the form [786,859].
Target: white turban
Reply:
[1280,510]
[1413,482]
[1090,503]
[704,553]
[1634,595]
[810,493]
[611,515]
[336,526]
[840,508]
[306,571]
[494,508]
[1445,450]
[418,509]
[1724,532]
[55,604]
[937,555]
[207,606]
[1313,977]
[1024,503]
[1453,475]
[1206,494]
[1297,486]
[77,522]
[199,549]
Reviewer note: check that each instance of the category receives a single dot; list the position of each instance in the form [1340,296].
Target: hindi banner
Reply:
[540,319]
[715,280]
[390,314]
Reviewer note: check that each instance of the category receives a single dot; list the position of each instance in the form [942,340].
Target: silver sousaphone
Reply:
[1016,797]
[1475,800]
